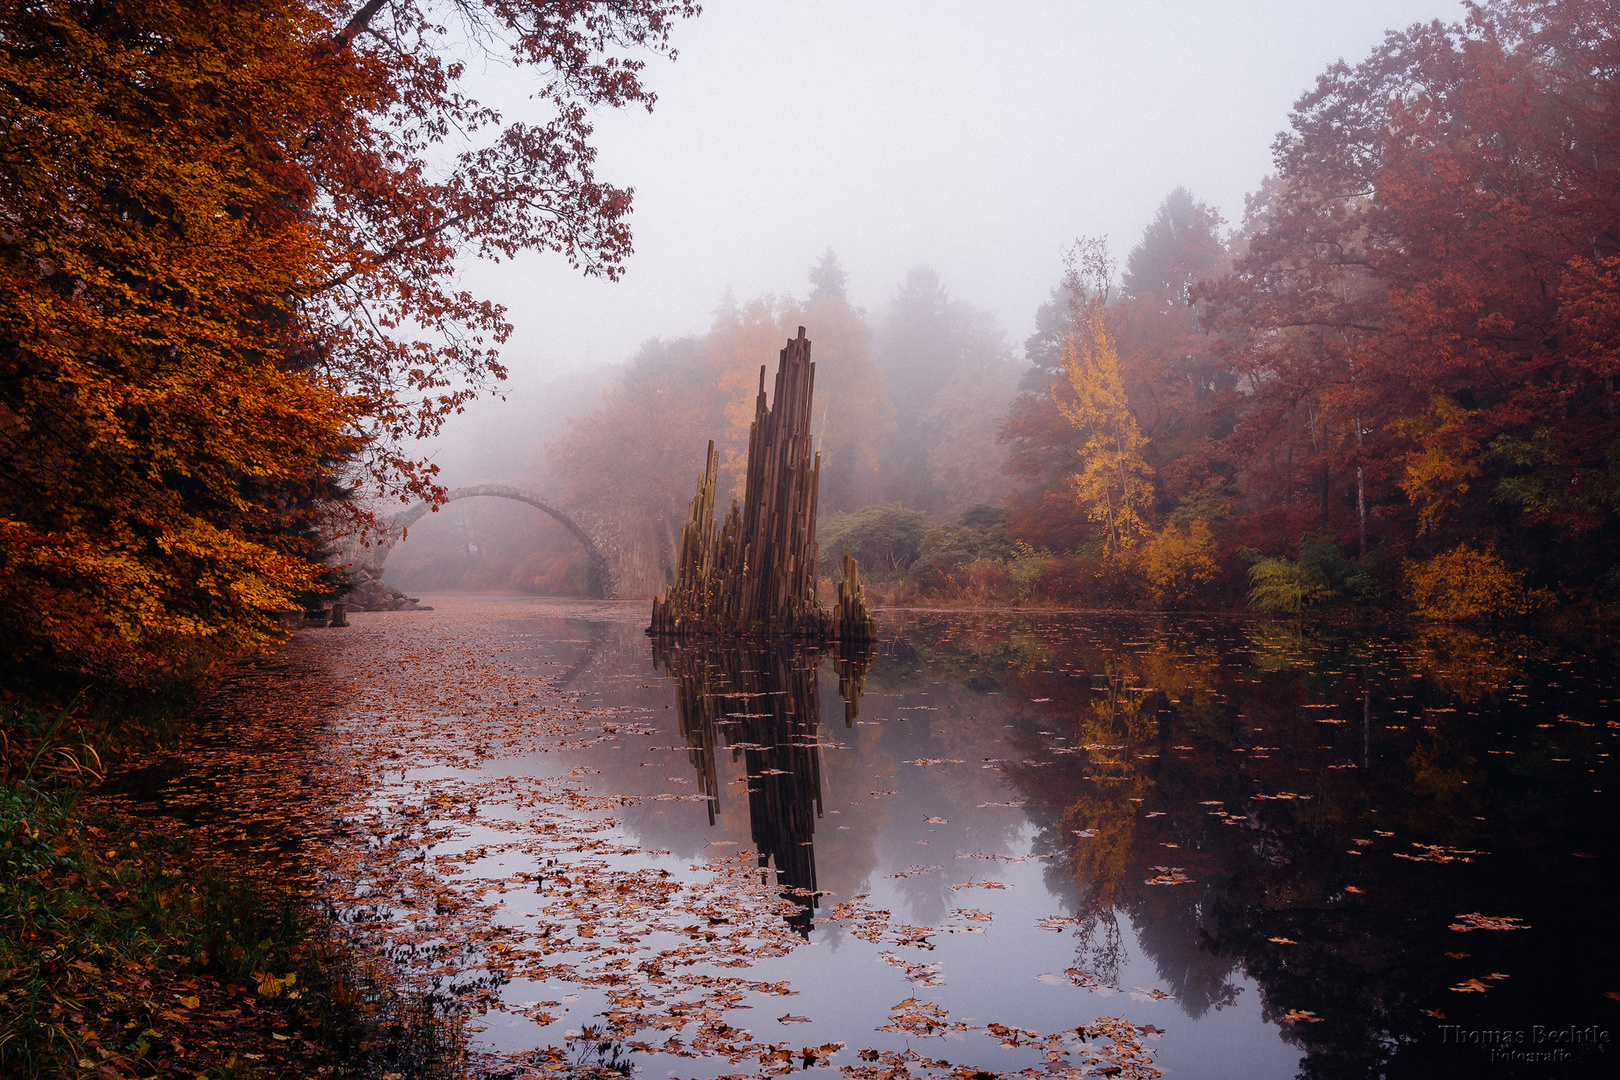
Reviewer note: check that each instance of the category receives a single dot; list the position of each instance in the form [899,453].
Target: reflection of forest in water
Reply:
[764,705]
[1304,811]
[1317,811]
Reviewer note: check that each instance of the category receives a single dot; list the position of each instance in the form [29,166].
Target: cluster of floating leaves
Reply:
[470,879]
[463,878]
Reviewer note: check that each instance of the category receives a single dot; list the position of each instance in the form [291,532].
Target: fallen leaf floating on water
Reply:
[921,974]
[1168,875]
[935,761]
[789,1018]
[1006,804]
[936,821]
[1438,853]
[1301,1016]
[919,1019]
[1084,979]
[1476,921]
[1282,940]
[1471,986]
[971,914]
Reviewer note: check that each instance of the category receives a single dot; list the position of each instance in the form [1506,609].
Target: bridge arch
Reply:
[602,574]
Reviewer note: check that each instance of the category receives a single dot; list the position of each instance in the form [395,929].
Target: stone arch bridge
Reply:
[616,567]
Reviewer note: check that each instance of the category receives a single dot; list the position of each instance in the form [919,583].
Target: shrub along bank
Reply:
[1195,561]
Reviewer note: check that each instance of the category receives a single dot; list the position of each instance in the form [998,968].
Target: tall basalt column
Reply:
[756,574]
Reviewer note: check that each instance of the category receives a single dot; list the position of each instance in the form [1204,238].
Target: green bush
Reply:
[1321,577]
[884,539]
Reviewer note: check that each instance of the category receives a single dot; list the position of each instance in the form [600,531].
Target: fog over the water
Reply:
[979,140]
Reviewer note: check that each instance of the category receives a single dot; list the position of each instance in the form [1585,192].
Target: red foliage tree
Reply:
[1423,325]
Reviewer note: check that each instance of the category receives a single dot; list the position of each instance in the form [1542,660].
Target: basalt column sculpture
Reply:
[754,574]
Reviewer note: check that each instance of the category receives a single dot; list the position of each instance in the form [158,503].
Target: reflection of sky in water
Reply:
[1133,751]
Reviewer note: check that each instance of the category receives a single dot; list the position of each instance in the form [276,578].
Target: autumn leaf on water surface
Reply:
[1476,921]
[789,1018]
[1168,875]
[1471,986]
[1438,853]
[936,821]
[1297,1016]
[1282,940]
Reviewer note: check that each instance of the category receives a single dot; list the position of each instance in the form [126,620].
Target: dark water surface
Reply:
[1273,850]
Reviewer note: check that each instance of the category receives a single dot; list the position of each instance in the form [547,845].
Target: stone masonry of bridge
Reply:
[616,567]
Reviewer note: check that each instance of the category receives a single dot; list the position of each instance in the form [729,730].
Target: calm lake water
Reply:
[1270,850]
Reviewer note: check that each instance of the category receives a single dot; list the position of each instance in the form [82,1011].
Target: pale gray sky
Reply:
[978,138]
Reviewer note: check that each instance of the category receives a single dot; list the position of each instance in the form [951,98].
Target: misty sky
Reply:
[977,138]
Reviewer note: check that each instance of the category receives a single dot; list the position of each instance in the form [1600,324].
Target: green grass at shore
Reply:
[126,953]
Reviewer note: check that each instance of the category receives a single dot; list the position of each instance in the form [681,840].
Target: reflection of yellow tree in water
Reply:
[1119,731]
[1470,664]
[1101,822]
[765,704]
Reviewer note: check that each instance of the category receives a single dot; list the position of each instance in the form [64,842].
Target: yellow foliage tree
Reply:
[1115,482]
[1178,561]
[741,342]
[1463,584]
[1439,473]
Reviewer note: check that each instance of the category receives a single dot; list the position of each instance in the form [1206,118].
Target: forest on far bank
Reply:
[232,244]
[1391,385]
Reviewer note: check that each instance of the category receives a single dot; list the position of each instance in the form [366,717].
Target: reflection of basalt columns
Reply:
[852,661]
[765,705]
[755,573]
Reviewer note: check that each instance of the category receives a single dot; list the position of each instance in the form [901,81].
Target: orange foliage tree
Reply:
[227,235]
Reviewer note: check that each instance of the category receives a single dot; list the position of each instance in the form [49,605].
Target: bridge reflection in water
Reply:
[763,704]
